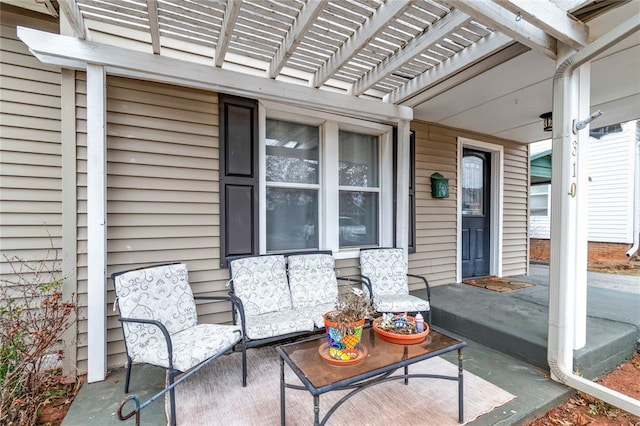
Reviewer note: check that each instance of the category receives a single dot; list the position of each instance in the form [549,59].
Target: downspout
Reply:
[562,280]
[636,193]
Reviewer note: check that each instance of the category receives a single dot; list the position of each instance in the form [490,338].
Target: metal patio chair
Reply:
[160,326]
[385,272]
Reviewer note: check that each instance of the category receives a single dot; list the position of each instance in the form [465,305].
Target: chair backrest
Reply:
[312,279]
[160,293]
[387,269]
[261,283]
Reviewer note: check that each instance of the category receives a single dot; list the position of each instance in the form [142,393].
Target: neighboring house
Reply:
[127,157]
[613,216]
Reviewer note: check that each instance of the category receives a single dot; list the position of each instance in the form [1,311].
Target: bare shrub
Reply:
[33,318]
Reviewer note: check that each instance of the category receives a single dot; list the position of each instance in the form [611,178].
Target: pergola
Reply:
[379,60]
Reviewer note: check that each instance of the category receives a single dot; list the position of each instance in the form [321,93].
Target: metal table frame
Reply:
[365,380]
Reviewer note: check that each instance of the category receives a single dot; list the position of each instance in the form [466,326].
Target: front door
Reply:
[476,238]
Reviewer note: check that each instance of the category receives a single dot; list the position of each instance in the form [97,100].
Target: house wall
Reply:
[30,148]
[611,188]
[436,222]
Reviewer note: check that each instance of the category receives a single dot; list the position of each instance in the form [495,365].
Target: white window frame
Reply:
[548,198]
[328,196]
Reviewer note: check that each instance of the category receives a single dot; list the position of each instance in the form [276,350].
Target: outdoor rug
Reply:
[500,285]
[215,395]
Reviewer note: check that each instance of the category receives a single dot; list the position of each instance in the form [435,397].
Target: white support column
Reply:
[563,221]
[402,190]
[583,82]
[96,223]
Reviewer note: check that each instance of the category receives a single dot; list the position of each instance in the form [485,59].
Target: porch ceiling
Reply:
[484,66]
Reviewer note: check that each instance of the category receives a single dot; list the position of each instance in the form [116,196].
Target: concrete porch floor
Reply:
[506,336]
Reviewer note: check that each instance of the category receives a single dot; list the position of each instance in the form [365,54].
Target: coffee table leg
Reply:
[282,389]
[316,410]
[460,389]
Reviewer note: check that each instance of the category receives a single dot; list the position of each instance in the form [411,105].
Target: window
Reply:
[539,200]
[292,175]
[359,188]
[323,184]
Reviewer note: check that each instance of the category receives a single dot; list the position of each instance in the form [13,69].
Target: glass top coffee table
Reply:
[382,360]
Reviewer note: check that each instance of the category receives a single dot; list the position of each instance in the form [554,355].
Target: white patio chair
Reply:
[385,272]
[159,322]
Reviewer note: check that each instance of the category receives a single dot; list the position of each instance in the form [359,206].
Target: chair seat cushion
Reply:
[277,323]
[400,303]
[190,346]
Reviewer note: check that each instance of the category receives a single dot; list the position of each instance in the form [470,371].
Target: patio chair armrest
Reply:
[163,329]
[238,308]
[367,282]
[426,284]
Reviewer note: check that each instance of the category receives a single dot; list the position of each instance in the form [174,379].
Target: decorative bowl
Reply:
[399,338]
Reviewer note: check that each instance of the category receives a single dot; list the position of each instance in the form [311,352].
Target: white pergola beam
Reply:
[228,22]
[305,20]
[70,52]
[154,30]
[552,20]
[364,35]
[427,84]
[415,47]
[72,12]
[505,21]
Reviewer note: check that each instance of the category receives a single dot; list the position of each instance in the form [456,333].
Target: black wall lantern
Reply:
[547,121]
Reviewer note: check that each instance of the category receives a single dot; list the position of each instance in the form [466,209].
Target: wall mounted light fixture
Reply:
[547,121]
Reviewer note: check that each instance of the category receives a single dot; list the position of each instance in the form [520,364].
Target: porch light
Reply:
[547,121]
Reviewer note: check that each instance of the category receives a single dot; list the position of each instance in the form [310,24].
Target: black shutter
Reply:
[238,177]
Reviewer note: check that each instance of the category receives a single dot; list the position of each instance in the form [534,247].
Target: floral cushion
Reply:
[160,293]
[387,270]
[261,283]
[190,347]
[312,280]
[277,323]
[400,303]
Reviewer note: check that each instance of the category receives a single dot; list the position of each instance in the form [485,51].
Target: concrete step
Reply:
[519,327]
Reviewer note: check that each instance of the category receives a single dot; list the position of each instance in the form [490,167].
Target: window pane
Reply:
[292,152]
[292,219]
[358,218]
[358,159]
[472,186]
[539,200]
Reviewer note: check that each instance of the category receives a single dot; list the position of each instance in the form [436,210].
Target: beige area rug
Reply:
[215,395]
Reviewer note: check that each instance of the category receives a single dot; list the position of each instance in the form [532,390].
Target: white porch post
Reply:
[96,223]
[402,190]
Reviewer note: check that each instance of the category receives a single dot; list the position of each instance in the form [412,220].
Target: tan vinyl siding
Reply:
[162,192]
[436,219]
[436,228]
[30,148]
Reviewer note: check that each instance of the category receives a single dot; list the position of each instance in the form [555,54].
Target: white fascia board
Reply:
[59,50]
